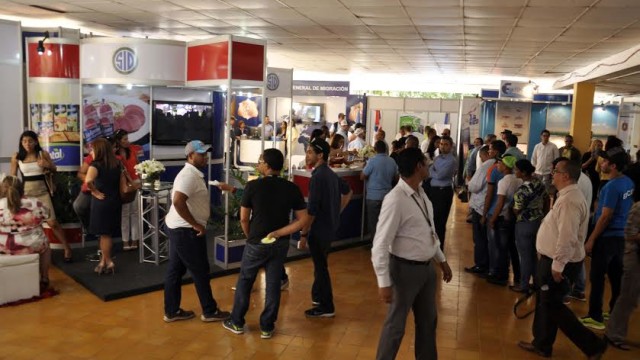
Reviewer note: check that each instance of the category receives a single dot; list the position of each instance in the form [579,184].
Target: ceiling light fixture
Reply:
[41,43]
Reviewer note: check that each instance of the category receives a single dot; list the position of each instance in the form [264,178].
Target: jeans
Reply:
[628,299]
[480,242]
[606,259]
[526,232]
[187,252]
[373,212]
[498,248]
[82,208]
[321,289]
[551,314]
[256,256]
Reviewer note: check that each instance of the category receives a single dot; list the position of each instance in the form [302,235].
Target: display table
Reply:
[352,217]
[154,205]
[250,149]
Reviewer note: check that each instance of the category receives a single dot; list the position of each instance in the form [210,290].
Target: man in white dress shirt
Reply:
[403,259]
[542,158]
[560,243]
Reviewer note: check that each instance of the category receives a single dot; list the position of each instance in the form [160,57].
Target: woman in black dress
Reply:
[103,180]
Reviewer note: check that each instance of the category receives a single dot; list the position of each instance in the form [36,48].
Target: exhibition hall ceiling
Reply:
[529,38]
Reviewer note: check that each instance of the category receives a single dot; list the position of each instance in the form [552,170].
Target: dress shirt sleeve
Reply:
[368,169]
[534,155]
[477,182]
[568,220]
[386,231]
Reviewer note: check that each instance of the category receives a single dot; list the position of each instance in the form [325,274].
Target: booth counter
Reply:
[250,149]
[352,217]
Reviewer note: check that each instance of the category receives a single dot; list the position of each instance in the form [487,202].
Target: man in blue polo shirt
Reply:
[606,242]
[442,170]
[328,196]
[380,173]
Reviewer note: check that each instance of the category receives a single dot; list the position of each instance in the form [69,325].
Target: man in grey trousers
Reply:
[404,249]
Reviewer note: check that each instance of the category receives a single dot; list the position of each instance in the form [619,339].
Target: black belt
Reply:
[33,178]
[410,262]
[441,187]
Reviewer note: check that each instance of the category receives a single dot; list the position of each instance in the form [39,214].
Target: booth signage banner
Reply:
[132,61]
[53,91]
[517,89]
[471,116]
[626,122]
[321,88]
[107,108]
[279,83]
[355,109]
[605,120]
[416,120]
[513,116]
[247,109]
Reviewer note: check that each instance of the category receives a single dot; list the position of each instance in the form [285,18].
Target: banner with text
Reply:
[279,83]
[515,117]
[320,88]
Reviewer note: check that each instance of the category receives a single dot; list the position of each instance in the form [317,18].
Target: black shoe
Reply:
[219,315]
[527,346]
[475,270]
[497,281]
[179,315]
[317,313]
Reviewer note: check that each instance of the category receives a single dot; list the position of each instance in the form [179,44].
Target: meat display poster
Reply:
[247,109]
[53,115]
[108,108]
[515,117]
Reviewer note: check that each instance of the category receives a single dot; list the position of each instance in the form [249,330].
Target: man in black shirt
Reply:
[328,196]
[265,218]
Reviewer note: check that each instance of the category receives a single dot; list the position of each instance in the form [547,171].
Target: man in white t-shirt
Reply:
[503,223]
[359,142]
[186,224]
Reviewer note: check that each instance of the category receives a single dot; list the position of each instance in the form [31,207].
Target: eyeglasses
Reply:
[556,171]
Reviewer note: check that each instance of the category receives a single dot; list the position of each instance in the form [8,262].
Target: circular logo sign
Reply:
[273,81]
[125,60]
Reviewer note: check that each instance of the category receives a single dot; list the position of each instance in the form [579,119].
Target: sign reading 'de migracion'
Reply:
[320,88]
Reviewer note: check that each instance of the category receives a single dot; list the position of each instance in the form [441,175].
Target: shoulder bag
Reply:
[128,188]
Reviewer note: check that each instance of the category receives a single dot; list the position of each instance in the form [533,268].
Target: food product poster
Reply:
[559,119]
[53,115]
[514,116]
[107,108]
[605,120]
[247,108]
[416,120]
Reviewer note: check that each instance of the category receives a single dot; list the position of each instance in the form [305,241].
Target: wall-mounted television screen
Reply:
[177,123]
[308,112]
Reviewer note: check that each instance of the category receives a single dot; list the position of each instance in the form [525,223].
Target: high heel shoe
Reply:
[99,269]
[68,257]
[110,269]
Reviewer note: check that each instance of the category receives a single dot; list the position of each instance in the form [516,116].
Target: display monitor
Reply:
[308,112]
[177,123]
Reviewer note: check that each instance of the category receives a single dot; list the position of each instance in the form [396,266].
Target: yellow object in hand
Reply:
[268,240]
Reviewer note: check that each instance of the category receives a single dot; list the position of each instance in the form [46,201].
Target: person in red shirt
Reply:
[129,155]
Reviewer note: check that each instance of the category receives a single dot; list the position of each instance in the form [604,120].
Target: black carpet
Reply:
[133,278]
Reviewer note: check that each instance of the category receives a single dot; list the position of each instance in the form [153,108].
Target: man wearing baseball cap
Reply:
[343,130]
[359,142]
[186,227]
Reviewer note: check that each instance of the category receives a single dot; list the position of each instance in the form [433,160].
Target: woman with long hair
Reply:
[103,180]
[434,144]
[21,221]
[336,154]
[129,154]
[32,162]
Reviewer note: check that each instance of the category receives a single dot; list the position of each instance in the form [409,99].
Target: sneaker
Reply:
[219,315]
[591,323]
[179,315]
[284,284]
[229,325]
[315,303]
[580,296]
[605,315]
[316,312]
[566,299]
[266,334]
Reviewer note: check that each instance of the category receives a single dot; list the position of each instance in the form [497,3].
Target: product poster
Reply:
[605,120]
[471,115]
[515,117]
[53,115]
[247,109]
[107,108]
[416,120]
[355,109]
[559,119]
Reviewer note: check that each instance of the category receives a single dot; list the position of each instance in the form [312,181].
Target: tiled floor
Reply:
[475,319]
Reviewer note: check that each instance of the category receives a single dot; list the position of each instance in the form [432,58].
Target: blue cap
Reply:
[196,146]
